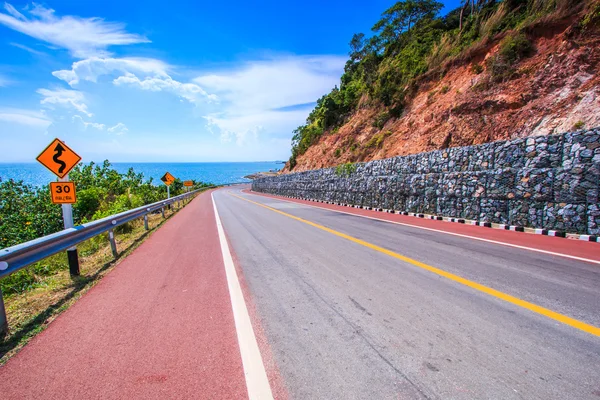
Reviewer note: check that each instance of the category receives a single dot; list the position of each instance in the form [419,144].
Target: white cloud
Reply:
[242,136]
[83,37]
[118,129]
[142,73]
[276,83]
[189,91]
[32,118]
[65,98]
[85,124]
[13,11]
[268,96]
[28,49]
[92,68]
[230,124]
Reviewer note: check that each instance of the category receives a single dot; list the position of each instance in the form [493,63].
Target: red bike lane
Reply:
[160,325]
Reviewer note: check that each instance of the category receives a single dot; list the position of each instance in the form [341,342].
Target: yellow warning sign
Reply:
[188,183]
[58,158]
[63,192]
[168,179]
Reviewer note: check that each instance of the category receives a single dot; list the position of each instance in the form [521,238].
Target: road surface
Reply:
[253,296]
[348,322]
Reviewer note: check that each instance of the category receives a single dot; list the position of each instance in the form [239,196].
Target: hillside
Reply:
[524,69]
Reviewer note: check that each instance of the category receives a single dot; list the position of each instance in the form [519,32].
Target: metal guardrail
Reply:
[15,258]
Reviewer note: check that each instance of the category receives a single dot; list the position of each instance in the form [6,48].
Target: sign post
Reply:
[168,179]
[72,256]
[60,159]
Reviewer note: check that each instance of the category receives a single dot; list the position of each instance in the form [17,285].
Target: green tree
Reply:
[357,47]
[402,17]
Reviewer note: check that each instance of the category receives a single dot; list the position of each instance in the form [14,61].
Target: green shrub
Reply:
[431,97]
[381,119]
[515,47]
[338,152]
[512,49]
[591,17]
[578,125]
[88,203]
[26,213]
[377,140]
[477,69]
[346,169]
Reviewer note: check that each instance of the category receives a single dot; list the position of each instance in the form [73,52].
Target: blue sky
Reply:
[165,82]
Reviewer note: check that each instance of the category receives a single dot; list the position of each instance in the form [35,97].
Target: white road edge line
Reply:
[257,381]
[446,232]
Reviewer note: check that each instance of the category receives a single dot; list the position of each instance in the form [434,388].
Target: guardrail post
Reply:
[3,318]
[162,211]
[73,258]
[146,221]
[113,243]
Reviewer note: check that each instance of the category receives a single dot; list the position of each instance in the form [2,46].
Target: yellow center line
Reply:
[474,285]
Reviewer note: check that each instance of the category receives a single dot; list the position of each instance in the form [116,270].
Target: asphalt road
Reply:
[346,321]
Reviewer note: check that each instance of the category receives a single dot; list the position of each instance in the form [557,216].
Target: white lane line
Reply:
[257,381]
[441,231]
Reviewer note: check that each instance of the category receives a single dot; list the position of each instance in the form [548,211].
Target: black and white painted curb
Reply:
[587,238]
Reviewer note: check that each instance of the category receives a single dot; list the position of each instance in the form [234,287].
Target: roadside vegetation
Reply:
[345,170]
[26,212]
[412,42]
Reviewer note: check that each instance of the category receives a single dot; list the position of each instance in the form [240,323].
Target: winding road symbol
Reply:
[59,151]
[59,158]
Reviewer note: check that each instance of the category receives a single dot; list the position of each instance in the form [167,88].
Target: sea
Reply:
[215,172]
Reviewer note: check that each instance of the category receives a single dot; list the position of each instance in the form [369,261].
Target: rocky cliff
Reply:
[556,89]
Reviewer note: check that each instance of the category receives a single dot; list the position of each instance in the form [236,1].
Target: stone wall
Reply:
[549,182]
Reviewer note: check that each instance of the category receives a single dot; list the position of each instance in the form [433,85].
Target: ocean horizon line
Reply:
[155,162]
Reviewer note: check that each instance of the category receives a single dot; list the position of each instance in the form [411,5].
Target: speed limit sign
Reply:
[63,192]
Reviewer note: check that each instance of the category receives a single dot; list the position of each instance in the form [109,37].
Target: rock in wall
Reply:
[549,182]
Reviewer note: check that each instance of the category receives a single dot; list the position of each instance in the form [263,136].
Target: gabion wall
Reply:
[549,182]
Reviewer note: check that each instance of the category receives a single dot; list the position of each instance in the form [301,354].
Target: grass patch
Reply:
[591,18]
[431,97]
[377,140]
[513,49]
[381,119]
[346,169]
